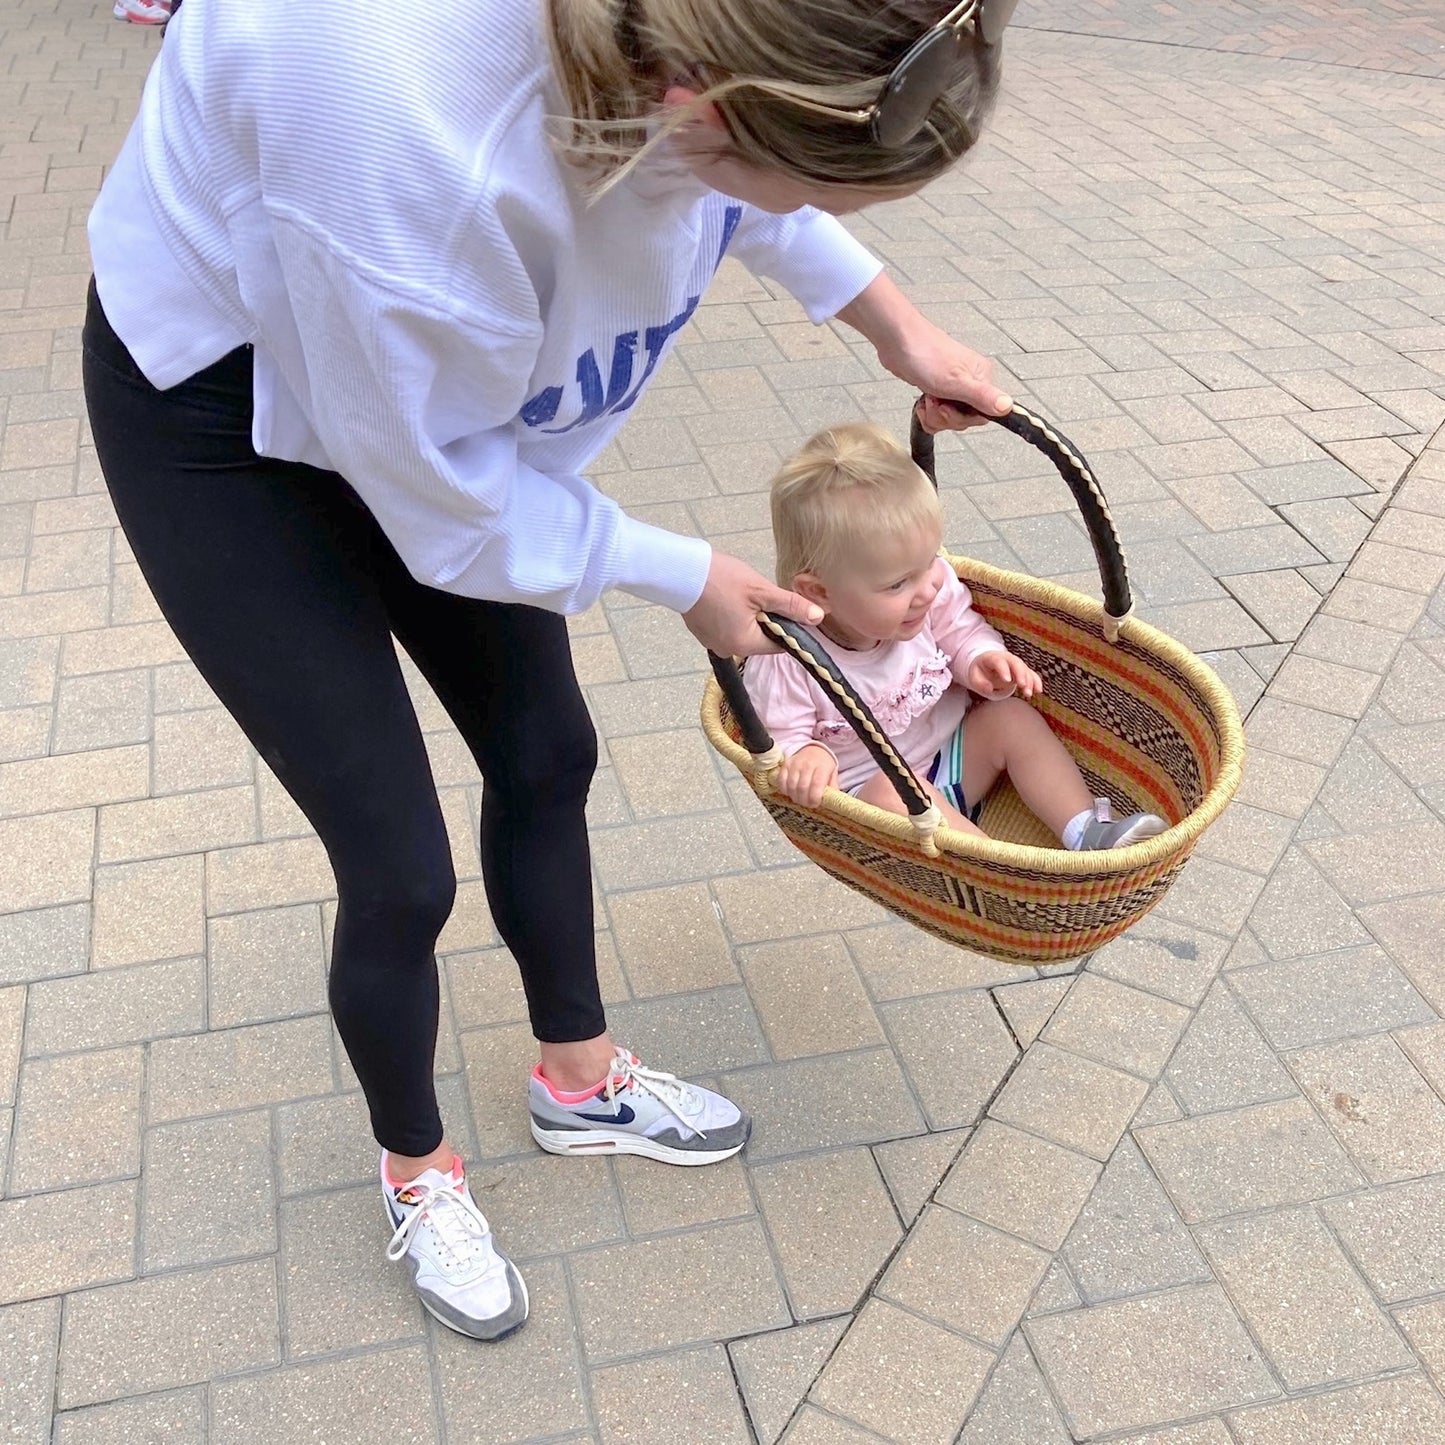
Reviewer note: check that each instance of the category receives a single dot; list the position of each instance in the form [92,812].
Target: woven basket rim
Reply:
[1176,840]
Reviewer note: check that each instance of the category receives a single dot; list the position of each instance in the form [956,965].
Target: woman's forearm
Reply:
[883,314]
[916,351]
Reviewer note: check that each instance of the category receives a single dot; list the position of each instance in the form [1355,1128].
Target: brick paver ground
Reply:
[1194,1190]
[1398,35]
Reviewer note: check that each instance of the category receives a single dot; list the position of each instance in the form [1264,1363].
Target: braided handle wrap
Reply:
[1093,505]
[799,643]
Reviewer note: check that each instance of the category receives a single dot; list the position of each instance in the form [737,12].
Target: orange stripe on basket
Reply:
[1057,888]
[1095,746]
[1182,709]
[1030,943]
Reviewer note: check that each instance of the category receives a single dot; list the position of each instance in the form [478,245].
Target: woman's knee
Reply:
[397,900]
[545,759]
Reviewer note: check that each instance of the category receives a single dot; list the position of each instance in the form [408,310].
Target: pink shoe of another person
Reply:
[143,12]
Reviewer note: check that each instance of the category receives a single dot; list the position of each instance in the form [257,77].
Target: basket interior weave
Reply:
[1142,731]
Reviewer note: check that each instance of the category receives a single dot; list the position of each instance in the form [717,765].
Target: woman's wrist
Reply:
[957,383]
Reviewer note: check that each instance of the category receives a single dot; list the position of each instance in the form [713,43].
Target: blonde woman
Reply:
[423,263]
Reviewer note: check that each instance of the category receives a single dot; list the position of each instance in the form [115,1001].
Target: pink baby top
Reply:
[912,688]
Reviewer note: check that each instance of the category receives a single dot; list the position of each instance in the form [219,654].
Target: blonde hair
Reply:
[844,489]
[748,57]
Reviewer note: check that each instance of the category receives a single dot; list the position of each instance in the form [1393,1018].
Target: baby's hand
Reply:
[997,674]
[803,776]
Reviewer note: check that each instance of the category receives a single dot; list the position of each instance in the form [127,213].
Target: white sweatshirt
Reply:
[369,196]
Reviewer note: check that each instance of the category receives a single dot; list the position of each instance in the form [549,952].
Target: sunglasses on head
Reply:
[924,74]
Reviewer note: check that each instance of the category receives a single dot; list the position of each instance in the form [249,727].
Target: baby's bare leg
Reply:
[882,794]
[1009,736]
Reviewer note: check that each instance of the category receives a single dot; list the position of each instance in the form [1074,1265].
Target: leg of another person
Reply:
[504,673]
[271,575]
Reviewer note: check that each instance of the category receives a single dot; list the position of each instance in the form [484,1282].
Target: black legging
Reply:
[283,590]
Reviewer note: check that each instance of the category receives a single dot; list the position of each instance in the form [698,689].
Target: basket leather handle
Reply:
[1089,496]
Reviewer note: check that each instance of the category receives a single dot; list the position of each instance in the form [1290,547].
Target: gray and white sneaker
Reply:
[638,1111]
[460,1275]
[1104,830]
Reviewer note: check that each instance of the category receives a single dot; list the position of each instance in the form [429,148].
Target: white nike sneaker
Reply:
[143,12]
[459,1274]
[637,1111]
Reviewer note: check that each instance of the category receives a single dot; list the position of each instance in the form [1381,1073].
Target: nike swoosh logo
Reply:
[624,1115]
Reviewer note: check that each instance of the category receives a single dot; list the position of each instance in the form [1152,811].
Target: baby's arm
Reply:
[976,653]
[783,695]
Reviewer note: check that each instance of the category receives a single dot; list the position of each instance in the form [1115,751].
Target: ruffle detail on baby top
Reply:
[895,710]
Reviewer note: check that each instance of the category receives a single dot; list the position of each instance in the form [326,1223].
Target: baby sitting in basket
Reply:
[858,528]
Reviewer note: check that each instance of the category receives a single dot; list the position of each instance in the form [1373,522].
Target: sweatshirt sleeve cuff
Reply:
[660,566]
[824,267]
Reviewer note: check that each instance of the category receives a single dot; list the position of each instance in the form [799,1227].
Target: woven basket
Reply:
[1150,726]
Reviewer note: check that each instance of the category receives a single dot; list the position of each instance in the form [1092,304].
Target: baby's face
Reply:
[884,596]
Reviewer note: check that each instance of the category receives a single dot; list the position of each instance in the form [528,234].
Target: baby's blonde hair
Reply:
[748,57]
[846,487]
